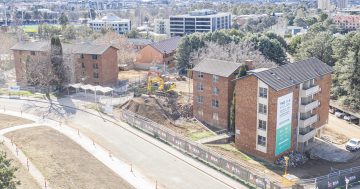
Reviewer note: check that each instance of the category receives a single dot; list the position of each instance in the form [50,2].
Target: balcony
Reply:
[309,106]
[304,122]
[304,92]
[303,137]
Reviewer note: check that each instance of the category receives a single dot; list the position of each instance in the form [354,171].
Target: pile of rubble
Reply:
[185,110]
[295,159]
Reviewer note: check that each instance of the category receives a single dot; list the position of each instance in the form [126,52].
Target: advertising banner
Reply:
[283,123]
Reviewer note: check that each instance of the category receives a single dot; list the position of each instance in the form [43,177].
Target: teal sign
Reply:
[283,123]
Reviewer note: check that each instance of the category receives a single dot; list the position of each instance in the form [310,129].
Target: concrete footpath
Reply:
[136,179]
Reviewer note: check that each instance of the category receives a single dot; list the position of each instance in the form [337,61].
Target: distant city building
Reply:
[342,4]
[347,22]
[324,4]
[110,21]
[162,26]
[199,21]
[295,30]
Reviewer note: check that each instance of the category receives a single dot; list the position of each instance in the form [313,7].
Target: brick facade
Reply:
[224,97]
[246,90]
[106,64]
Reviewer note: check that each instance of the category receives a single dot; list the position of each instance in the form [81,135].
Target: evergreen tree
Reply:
[7,173]
[63,20]
[57,62]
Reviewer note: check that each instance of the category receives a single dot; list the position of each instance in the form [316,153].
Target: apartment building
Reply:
[281,109]
[89,63]
[110,21]
[162,26]
[347,22]
[161,53]
[199,21]
[213,91]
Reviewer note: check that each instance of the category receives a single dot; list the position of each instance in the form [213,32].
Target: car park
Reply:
[353,145]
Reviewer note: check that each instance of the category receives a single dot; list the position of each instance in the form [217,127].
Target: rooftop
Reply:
[167,45]
[293,73]
[81,48]
[202,13]
[217,67]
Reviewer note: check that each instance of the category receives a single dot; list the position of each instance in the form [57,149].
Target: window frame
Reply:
[262,125]
[261,140]
[263,92]
[215,103]
[264,108]
[215,78]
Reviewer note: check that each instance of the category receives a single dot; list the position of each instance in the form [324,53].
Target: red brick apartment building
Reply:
[348,22]
[281,109]
[91,63]
[213,91]
[157,53]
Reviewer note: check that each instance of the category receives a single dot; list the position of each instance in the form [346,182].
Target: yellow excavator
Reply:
[162,87]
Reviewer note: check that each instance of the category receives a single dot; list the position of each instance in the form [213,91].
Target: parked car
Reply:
[339,114]
[353,145]
[349,117]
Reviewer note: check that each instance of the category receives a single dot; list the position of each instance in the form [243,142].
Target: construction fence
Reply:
[333,180]
[198,151]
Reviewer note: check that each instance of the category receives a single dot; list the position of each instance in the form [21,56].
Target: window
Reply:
[262,109]
[215,90]
[82,56]
[261,140]
[94,57]
[263,92]
[215,103]
[262,124]
[32,52]
[215,78]
[200,87]
[215,116]
[96,75]
[82,65]
[95,66]
[200,75]
[200,99]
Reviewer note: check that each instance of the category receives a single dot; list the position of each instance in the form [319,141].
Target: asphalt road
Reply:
[160,163]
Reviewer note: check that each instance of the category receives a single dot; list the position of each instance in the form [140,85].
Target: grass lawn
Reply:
[30,28]
[199,135]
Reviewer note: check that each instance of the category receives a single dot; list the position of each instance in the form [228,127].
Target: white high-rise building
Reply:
[342,4]
[199,21]
[324,4]
[162,26]
[110,21]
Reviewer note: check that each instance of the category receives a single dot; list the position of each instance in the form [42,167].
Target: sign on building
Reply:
[283,123]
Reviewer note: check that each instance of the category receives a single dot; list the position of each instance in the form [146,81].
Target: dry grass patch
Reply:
[22,174]
[63,162]
[10,121]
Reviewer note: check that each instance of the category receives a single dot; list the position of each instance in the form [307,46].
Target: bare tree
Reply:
[232,52]
[126,54]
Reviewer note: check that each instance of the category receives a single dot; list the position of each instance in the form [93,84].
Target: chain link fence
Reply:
[200,152]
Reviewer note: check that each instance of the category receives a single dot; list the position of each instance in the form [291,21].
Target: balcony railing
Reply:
[309,106]
[304,122]
[307,91]
[303,137]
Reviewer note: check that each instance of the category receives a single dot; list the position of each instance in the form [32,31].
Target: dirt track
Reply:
[63,162]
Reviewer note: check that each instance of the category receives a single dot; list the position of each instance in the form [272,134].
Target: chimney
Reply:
[249,64]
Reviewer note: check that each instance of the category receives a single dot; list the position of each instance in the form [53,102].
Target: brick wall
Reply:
[109,67]
[246,117]
[324,97]
[224,97]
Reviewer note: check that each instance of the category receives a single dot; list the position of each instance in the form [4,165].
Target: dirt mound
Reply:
[149,108]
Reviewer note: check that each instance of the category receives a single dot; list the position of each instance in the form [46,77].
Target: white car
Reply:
[349,117]
[339,114]
[353,145]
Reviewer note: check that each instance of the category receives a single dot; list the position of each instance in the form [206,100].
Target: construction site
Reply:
[167,100]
